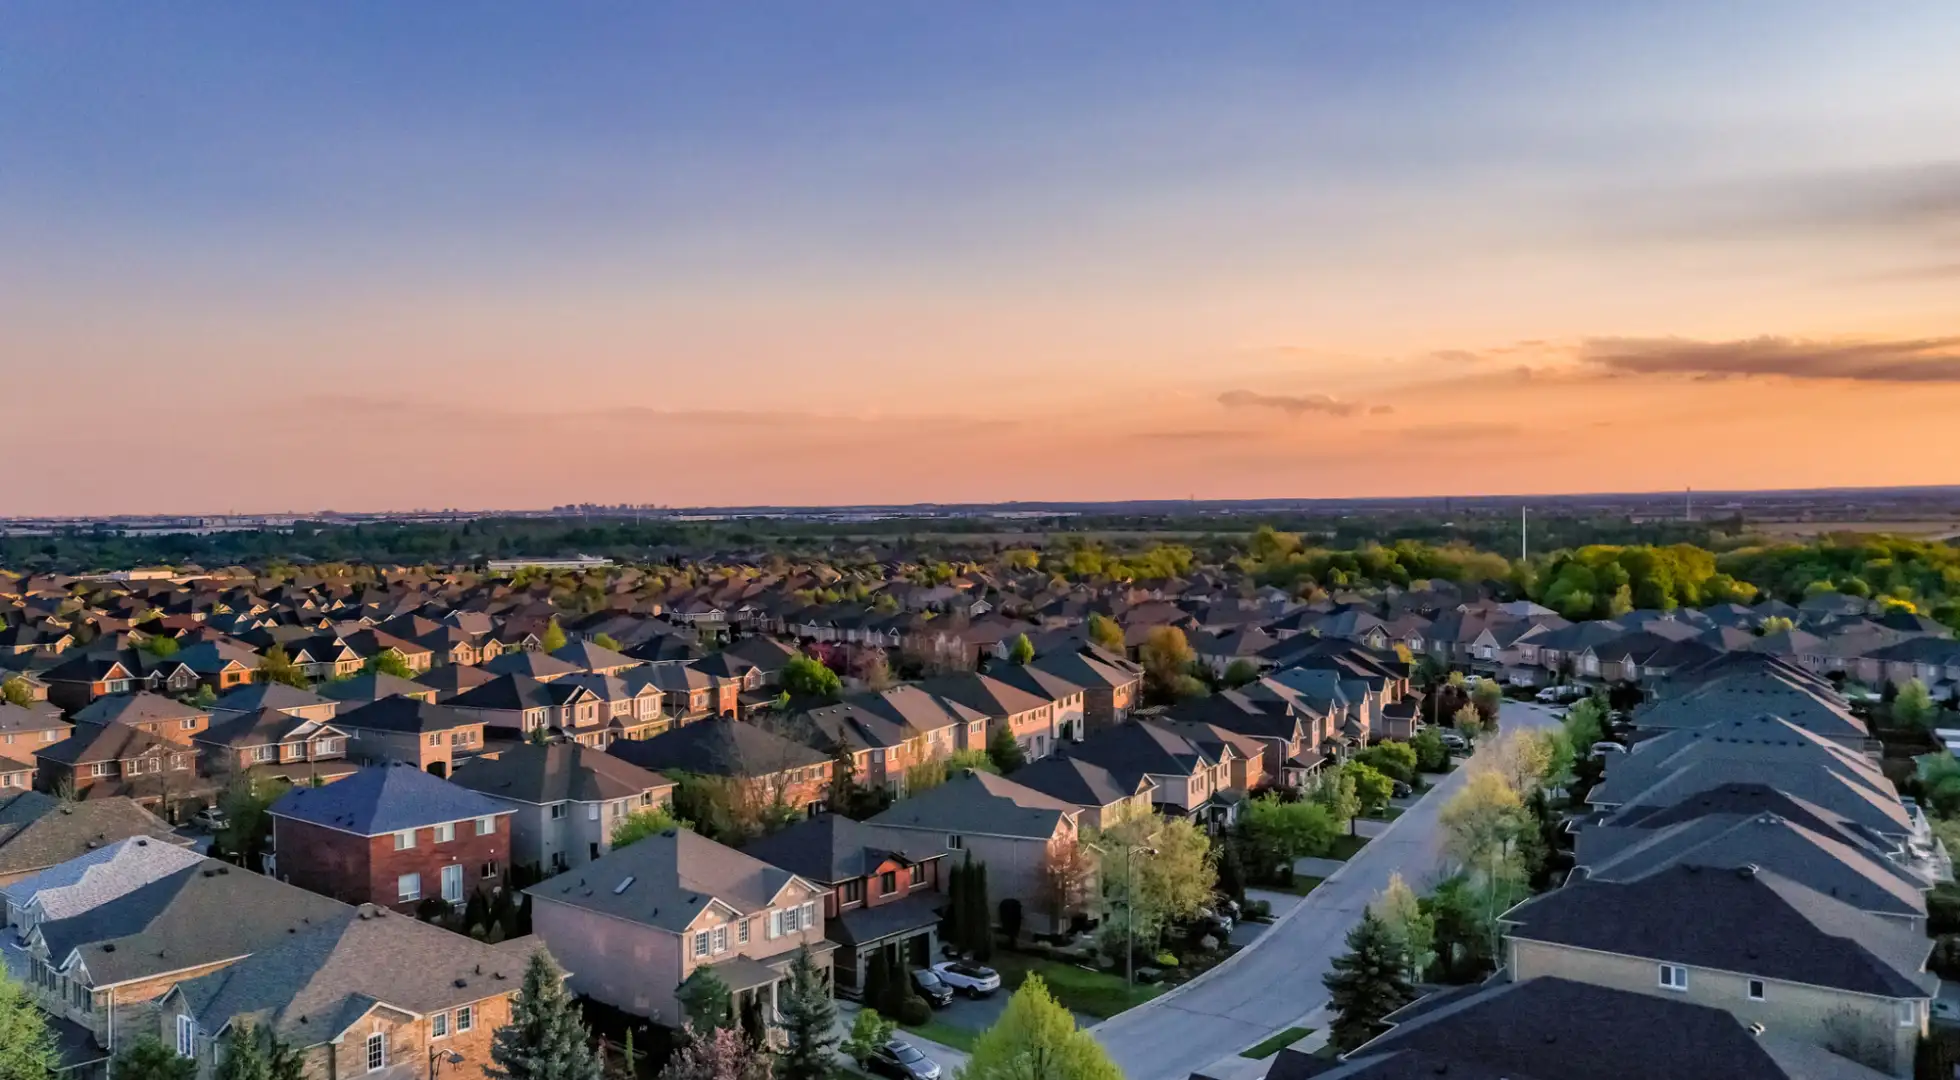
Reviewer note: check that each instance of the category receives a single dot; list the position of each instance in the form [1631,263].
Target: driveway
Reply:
[1276,981]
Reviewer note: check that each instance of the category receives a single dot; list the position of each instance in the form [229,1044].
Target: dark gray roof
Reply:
[383,799]
[370,686]
[864,925]
[982,803]
[267,695]
[832,848]
[137,708]
[1083,783]
[535,664]
[717,747]
[405,715]
[1750,921]
[556,773]
[38,830]
[666,880]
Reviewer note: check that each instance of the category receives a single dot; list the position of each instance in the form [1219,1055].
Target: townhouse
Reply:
[764,767]
[565,799]
[271,745]
[428,736]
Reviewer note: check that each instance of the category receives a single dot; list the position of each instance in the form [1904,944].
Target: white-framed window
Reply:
[452,884]
[742,932]
[404,839]
[955,842]
[721,939]
[102,768]
[591,811]
[186,1036]
[809,914]
[1674,977]
[557,810]
[792,920]
[436,739]
[377,1052]
[261,753]
[408,887]
[1756,990]
[775,925]
[188,723]
[701,943]
[445,832]
[486,825]
[439,1025]
[1906,1013]
[465,1018]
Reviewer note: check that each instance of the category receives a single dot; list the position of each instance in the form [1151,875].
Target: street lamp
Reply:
[438,1057]
[1130,851]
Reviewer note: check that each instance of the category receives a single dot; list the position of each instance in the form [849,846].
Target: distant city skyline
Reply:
[387,257]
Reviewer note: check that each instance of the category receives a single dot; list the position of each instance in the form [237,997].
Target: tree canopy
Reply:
[1036,1037]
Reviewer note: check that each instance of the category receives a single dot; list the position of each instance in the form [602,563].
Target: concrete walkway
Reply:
[1275,983]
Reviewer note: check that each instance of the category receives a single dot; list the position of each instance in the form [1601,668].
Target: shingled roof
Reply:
[383,799]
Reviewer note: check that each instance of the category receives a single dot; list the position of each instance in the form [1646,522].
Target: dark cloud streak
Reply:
[1913,360]
[1290,404]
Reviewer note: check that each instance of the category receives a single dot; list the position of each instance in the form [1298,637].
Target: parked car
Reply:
[1401,790]
[1600,748]
[211,819]
[1453,740]
[933,988]
[902,1061]
[973,980]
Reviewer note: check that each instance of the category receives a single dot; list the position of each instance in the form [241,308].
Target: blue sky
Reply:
[958,215]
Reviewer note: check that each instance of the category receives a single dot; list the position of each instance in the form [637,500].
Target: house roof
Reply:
[452,679]
[983,693]
[717,746]
[139,708]
[1081,783]
[382,799]
[980,802]
[535,664]
[267,695]
[38,830]
[92,743]
[402,714]
[1747,920]
[666,880]
[557,772]
[259,729]
[865,925]
[831,848]
[586,656]
[372,686]
[98,876]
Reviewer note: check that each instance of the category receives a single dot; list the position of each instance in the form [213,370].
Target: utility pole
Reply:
[1524,534]
[1691,504]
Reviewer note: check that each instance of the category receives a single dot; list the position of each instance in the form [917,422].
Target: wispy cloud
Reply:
[1291,404]
[1913,360]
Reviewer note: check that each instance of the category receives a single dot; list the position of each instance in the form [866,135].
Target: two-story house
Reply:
[634,925]
[1111,685]
[304,704]
[883,890]
[393,835]
[92,878]
[515,705]
[1031,720]
[565,799]
[274,745]
[1191,779]
[38,830]
[97,760]
[771,768]
[429,736]
[23,731]
[166,718]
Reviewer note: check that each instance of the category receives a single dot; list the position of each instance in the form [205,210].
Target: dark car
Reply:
[933,988]
[902,1061]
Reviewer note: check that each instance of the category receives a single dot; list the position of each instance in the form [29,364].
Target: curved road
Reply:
[1275,981]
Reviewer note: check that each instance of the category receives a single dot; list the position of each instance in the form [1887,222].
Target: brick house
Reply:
[566,799]
[888,732]
[768,767]
[1111,685]
[22,731]
[290,700]
[884,890]
[274,745]
[74,683]
[368,993]
[166,718]
[1030,719]
[428,736]
[102,760]
[392,835]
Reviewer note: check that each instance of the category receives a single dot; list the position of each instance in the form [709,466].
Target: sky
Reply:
[374,256]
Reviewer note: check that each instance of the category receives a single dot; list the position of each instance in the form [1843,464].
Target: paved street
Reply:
[1276,981]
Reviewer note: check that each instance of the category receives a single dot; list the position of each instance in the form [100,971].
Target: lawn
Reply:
[1345,847]
[958,1038]
[1389,814]
[1094,993]
[1273,1045]
[1302,885]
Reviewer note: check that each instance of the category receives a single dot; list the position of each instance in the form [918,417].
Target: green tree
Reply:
[1103,631]
[1371,786]
[808,1016]
[606,641]
[27,1047]
[1395,759]
[641,824]
[277,666]
[255,1052]
[1914,706]
[1488,697]
[148,1059]
[1775,624]
[16,692]
[553,638]
[1036,1039]
[1277,833]
[1431,755]
[388,662]
[1585,723]
[1333,791]
[1240,672]
[1401,911]
[1004,752]
[1169,875]
[805,677]
[869,1031]
[979,920]
[1368,982]
[1167,657]
[161,647]
[205,696]
[245,802]
[1021,651]
[546,1038]
[1468,721]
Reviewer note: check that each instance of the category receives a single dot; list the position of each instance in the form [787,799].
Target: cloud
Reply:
[1911,360]
[1292,405]
[1380,410]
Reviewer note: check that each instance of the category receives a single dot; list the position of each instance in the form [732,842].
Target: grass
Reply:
[1274,1044]
[1302,885]
[1093,993]
[1389,814]
[958,1038]
[1345,847]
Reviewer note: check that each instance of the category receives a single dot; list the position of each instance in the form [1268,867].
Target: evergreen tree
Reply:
[877,981]
[954,928]
[1036,1037]
[707,1001]
[809,1018]
[979,915]
[255,1052]
[148,1059]
[27,1050]
[546,1038]
[1004,752]
[1367,983]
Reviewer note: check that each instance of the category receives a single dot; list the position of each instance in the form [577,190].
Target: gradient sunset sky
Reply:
[387,255]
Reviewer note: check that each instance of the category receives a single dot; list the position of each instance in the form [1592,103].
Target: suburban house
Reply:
[304,704]
[392,835]
[1103,797]
[1029,718]
[92,878]
[1111,685]
[626,710]
[371,686]
[565,799]
[514,705]
[635,924]
[1189,780]
[98,760]
[166,718]
[886,732]
[1017,831]
[362,994]
[77,681]
[528,662]
[38,830]
[23,731]
[883,895]
[771,768]
[428,736]
[583,655]
[274,745]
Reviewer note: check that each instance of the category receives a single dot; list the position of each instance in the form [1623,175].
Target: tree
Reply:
[1399,909]
[1431,755]
[706,1001]
[245,803]
[1167,657]
[1103,631]
[1240,672]
[1482,820]
[641,824]
[1523,758]
[546,1038]
[256,1052]
[1914,706]
[27,1047]
[717,1054]
[148,1059]
[1397,760]
[1464,932]
[16,691]
[808,1015]
[553,638]
[1371,786]
[1068,875]
[1585,723]
[979,921]
[205,696]
[606,641]
[388,662]
[161,647]
[1004,752]
[806,677]
[877,980]
[277,666]
[868,1032]
[1775,624]
[1021,651]
[1488,697]
[1468,721]
[1368,982]
[1167,875]
[1277,833]
[1036,1039]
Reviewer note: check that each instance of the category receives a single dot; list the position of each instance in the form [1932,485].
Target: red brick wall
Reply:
[367,869]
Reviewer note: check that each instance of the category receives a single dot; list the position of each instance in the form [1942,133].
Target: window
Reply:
[491,869]
[557,811]
[742,932]
[851,893]
[404,839]
[1906,1013]
[261,753]
[701,943]
[721,939]
[775,924]
[186,1037]
[918,875]
[452,884]
[888,882]
[188,723]
[439,1026]
[646,798]
[377,1055]
[445,832]
[1755,990]
[792,920]
[809,914]
[408,887]
[591,811]
[102,768]
[1674,977]
[955,842]
[485,826]
[465,1018]
[436,739]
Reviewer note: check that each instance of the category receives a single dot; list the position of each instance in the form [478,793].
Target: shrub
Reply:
[1945,961]
[914,1011]
[1258,909]
[1166,959]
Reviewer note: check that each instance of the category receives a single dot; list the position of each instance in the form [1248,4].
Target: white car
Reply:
[973,980]
[1599,749]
